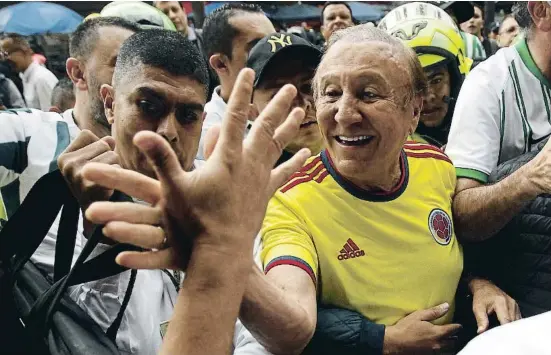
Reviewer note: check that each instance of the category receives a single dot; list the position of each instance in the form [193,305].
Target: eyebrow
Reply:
[433,75]
[147,91]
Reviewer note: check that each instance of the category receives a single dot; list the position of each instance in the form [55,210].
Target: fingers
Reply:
[502,311]
[448,330]
[160,155]
[517,313]
[481,316]
[281,174]
[161,259]
[129,182]
[109,157]
[103,212]
[84,138]
[264,127]
[237,113]
[431,313]
[68,161]
[141,235]
[285,133]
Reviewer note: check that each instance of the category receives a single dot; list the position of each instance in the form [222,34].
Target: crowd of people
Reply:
[384,193]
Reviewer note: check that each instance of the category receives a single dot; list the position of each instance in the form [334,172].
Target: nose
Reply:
[430,96]
[347,110]
[167,128]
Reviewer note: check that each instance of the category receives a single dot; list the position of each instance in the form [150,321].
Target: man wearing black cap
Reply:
[280,59]
[462,11]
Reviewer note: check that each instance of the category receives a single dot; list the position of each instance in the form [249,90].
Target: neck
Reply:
[540,50]
[225,93]
[384,178]
[84,120]
[27,64]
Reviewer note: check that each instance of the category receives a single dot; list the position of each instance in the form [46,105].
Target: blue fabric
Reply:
[296,12]
[365,12]
[31,18]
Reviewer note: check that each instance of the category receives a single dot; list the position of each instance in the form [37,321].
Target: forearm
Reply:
[481,212]
[279,322]
[208,304]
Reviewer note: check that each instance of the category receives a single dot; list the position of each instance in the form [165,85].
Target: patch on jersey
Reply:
[440,225]
[350,250]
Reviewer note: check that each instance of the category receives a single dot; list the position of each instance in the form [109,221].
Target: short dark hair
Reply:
[522,15]
[162,49]
[327,3]
[481,7]
[83,40]
[18,40]
[218,33]
[63,94]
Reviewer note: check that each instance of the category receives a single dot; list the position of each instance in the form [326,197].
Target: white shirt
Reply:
[38,83]
[215,110]
[503,111]
[529,336]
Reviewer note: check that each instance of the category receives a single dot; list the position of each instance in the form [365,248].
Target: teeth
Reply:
[353,139]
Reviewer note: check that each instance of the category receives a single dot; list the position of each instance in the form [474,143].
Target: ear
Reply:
[108,96]
[417,108]
[75,71]
[541,14]
[219,62]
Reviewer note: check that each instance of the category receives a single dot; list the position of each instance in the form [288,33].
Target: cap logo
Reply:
[283,40]
[414,31]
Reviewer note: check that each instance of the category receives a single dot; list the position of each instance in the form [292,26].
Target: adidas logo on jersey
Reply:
[350,250]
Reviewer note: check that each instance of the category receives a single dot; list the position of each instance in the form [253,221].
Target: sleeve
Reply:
[44,88]
[286,240]
[474,139]
[15,134]
[244,342]
[16,100]
[341,331]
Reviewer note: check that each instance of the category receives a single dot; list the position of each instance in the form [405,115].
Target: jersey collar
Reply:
[524,52]
[373,196]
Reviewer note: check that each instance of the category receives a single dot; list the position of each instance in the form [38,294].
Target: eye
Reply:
[436,81]
[149,108]
[187,116]
[369,95]
[332,92]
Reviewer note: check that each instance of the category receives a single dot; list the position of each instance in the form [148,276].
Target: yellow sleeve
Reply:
[3,214]
[286,240]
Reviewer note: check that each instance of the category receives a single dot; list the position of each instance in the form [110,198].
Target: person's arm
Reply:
[279,308]
[44,88]
[16,100]
[480,211]
[207,285]
[474,146]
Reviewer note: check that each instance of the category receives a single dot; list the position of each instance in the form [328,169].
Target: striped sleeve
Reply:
[14,139]
[286,240]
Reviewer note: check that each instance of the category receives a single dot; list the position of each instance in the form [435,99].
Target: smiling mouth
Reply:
[354,141]
[308,124]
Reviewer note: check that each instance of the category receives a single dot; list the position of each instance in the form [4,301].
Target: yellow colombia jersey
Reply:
[384,254]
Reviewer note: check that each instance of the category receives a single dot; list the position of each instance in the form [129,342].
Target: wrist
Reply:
[528,182]
[389,343]
[477,283]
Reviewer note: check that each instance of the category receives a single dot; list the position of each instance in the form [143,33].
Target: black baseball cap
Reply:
[276,45]
[462,10]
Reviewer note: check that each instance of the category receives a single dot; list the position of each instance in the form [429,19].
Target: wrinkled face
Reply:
[15,55]
[99,66]
[362,104]
[475,24]
[435,106]
[175,13]
[157,101]
[335,17]
[508,32]
[294,72]
[251,27]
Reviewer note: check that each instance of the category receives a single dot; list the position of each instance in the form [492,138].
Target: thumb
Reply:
[479,310]
[159,153]
[433,313]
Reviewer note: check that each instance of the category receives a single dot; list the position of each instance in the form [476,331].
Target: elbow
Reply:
[295,341]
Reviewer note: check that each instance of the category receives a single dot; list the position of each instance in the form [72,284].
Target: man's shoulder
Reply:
[311,175]
[492,72]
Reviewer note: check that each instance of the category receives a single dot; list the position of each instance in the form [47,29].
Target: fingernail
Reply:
[445,306]
[480,330]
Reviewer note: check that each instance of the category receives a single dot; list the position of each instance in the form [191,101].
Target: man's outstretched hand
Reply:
[217,208]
